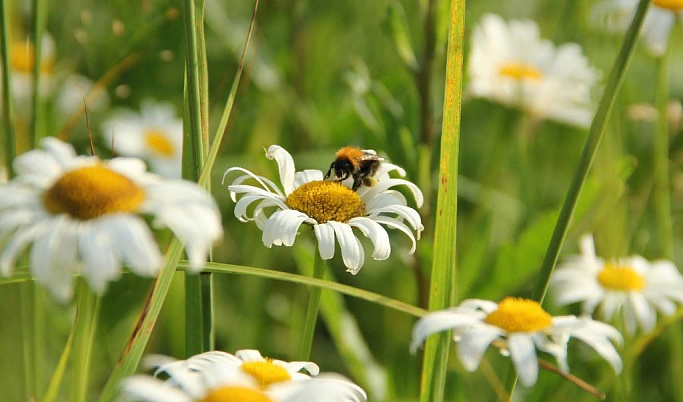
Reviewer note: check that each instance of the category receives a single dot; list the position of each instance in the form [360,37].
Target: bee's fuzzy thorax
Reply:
[353,154]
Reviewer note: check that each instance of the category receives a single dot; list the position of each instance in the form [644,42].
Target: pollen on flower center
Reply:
[520,71]
[266,372]
[158,143]
[519,315]
[235,394]
[621,278]
[21,58]
[326,201]
[93,191]
[673,5]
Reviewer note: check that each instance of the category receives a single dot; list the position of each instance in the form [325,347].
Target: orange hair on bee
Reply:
[353,154]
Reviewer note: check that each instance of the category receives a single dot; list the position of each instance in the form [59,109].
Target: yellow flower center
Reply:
[621,278]
[235,394]
[266,372]
[326,201]
[520,71]
[22,60]
[159,144]
[93,191]
[673,5]
[519,315]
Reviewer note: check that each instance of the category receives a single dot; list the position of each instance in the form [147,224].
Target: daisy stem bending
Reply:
[312,309]
[39,19]
[7,105]
[595,133]
[442,287]
[84,336]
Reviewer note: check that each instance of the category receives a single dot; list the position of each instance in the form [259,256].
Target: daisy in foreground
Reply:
[616,16]
[511,64]
[331,208]
[155,134]
[84,215]
[518,327]
[243,377]
[633,285]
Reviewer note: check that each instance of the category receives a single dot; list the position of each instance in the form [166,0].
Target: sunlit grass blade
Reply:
[56,381]
[442,288]
[205,176]
[7,101]
[39,21]
[84,337]
[132,352]
[597,128]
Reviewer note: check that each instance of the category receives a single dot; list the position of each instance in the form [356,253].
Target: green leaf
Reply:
[398,26]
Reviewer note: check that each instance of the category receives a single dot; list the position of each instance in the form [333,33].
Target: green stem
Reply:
[312,311]
[26,295]
[7,101]
[132,352]
[595,133]
[39,19]
[193,84]
[39,339]
[56,381]
[442,287]
[84,337]
[661,196]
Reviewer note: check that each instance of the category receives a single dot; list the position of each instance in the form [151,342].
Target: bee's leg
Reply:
[329,172]
[357,181]
[369,181]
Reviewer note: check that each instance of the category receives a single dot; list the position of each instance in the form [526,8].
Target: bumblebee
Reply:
[362,165]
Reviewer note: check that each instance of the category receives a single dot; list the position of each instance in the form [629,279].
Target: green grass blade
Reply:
[39,21]
[595,133]
[308,281]
[84,336]
[205,176]
[132,352]
[7,101]
[312,310]
[56,381]
[442,287]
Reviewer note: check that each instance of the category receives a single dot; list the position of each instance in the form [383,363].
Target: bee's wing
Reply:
[369,154]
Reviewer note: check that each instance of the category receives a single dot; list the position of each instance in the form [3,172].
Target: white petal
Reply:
[601,344]
[265,183]
[645,314]
[351,250]
[474,342]
[436,322]
[285,165]
[376,233]
[283,226]
[18,242]
[62,152]
[310,367]
[523,354]
[143,388]
[307,176]
[101,264]
[249,355]
[134,243]
[395,224]
[325,235]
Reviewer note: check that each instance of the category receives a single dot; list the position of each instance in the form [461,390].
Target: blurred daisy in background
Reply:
[332,208]
[84,215]
[518,327]
[246,376]
[511,64]
[632,285]
[616,15]
[154,134]
[22,62]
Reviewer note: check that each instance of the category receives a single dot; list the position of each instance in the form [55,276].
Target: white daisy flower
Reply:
[246,376]
[519,327]
[83,215]
[632,285]
[21,65]
[155,134]
[332,208]
[75,89]
[511,64]
[616,16]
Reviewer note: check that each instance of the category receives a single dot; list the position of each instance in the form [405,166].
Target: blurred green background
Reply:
[323,74]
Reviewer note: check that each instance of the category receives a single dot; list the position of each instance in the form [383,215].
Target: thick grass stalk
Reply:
[84,338]
[595,133]
[39,19]
[132,351]
[198,322]
[312,310]
[442,288]
[7,101]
